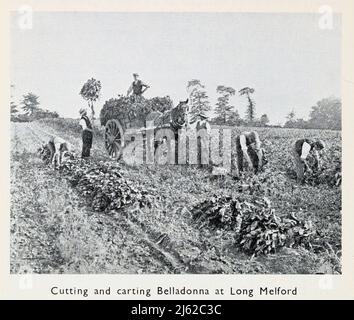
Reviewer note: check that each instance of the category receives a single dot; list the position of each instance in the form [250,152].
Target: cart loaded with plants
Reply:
[123,113]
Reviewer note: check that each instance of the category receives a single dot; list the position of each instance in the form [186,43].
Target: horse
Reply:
[179,117]
[176,117]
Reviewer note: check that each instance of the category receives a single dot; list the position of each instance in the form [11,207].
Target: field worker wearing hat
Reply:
[137,87]
[302,149]
[248,146]
[87,133]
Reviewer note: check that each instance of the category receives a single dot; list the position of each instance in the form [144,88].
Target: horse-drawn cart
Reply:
[119,115]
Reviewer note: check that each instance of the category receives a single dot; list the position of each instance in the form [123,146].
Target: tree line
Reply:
[326,114]
[225,113]
[30,107]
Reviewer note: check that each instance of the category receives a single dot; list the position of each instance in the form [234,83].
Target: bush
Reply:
[36,115]
[21,118]
[43,114]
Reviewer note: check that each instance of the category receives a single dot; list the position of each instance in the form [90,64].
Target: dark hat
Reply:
[83,111]
[135,74]
[320,144]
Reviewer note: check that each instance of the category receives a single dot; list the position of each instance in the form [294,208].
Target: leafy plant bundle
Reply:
[103,185]
[132,109]
[257,228]
[329,171]
[100,183]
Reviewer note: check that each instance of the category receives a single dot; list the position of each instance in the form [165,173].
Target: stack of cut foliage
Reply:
[100,183]
[133,109]
[257,228]
[328,172]
[103,185]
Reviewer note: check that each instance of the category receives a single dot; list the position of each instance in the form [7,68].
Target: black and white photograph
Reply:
[175,142]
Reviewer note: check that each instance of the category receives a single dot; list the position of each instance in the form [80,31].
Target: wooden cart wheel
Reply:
[114,138]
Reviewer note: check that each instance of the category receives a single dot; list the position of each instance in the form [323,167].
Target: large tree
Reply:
[30,103]
[326,114]
[251,108]
[290,119]
[291,116]
[235,119]
[223,108]
[91,92]
[264,120]
[198,99]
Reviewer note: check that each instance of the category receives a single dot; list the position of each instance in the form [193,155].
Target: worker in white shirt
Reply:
[302,149]
[87,133]
[248,146]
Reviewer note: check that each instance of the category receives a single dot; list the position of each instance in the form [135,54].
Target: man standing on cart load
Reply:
[138,87]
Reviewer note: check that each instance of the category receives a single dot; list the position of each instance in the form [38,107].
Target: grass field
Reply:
[54,231]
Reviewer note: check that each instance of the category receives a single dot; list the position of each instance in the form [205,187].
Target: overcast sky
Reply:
[289,61]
